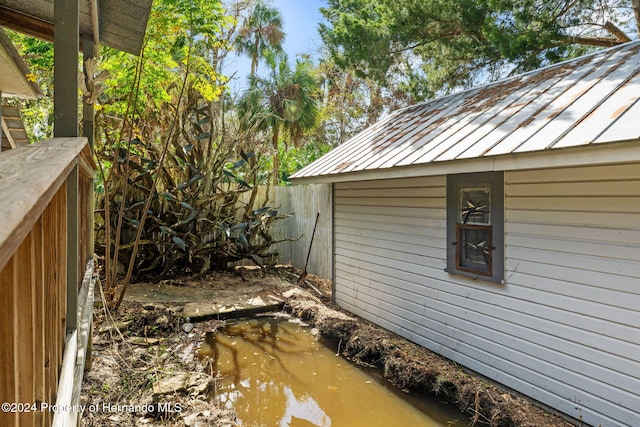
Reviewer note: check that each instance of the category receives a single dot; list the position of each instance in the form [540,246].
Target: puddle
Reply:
[275,373]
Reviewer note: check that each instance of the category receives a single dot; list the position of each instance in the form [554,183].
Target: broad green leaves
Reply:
[180,33]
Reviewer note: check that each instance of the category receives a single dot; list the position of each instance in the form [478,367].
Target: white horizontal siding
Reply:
[564,329]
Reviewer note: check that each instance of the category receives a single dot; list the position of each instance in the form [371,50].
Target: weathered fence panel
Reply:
[303,203]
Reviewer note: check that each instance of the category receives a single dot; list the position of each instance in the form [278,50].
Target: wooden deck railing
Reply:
[45,262]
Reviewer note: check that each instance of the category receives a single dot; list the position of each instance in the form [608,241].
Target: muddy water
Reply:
[275,373]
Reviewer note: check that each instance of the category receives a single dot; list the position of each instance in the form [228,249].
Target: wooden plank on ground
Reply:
[65,385]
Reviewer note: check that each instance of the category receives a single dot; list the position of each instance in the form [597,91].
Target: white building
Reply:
[500,228]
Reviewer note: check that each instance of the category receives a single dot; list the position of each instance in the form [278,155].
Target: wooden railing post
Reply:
[88,130]
[73,273]
[44,189]
[0,121]
[65,72]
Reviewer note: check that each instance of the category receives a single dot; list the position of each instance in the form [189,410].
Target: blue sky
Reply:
[300,19]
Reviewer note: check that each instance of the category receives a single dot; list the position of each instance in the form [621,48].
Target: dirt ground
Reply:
[146,370]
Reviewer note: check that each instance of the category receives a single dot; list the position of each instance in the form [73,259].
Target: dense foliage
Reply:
[181,157]
[178,191]
[429,47]
[284,102]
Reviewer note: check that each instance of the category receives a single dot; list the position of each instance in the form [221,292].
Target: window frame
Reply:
[495,182]
[459,248]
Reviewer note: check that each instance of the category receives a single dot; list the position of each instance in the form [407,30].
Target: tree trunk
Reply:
[254,55]
[375,104]
[254,64]
[635,5]
[276,157]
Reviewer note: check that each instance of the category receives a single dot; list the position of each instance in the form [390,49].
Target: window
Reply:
[475,216]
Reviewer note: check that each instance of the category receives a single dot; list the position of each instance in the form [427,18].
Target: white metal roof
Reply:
[587,101]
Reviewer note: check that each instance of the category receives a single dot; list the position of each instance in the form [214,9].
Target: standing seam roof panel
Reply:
[530,125]
[344,152]
[493,115]
[393,140]
[567,104]
[524,111]
[576,104]
[604,111]
[625,127]
[422,122]
[417,146]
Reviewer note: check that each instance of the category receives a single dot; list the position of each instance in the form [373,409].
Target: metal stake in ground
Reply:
[304,273]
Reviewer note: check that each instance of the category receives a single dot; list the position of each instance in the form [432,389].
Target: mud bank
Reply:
[416,369]
[145,355]
[145,371]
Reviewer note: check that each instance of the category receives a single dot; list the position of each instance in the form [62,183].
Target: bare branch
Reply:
[593,41]
[613,29]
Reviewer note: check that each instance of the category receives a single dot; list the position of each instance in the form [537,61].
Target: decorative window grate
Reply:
[475,225]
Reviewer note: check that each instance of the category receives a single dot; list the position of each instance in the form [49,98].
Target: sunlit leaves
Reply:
[179,31]
[286,99]
[206,80]
[260,31]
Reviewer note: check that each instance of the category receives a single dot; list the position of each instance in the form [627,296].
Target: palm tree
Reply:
[261,30]
[285,101]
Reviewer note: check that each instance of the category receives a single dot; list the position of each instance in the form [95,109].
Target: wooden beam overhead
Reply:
[33,27]
[119,24]
[26,24]
[14,72]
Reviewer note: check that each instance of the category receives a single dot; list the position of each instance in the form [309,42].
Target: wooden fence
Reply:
[303,202]
[45,193]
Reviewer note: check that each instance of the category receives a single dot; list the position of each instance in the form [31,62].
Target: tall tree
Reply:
[427,47]
[349,104]
[261,30]
[283,102]
[635,5]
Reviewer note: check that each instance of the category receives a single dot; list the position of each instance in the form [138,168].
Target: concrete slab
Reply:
[221,296]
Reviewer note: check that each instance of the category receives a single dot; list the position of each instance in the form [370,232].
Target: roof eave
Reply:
[627,151]
[25,89]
